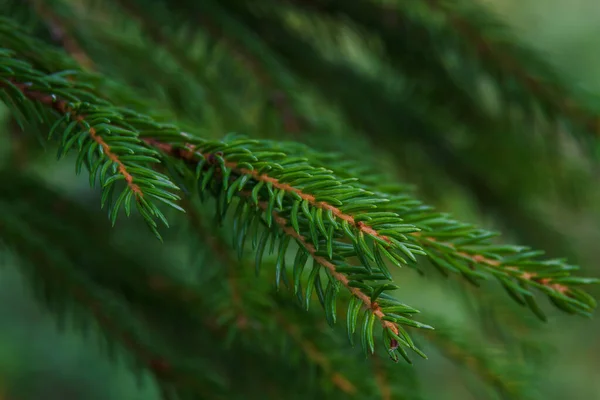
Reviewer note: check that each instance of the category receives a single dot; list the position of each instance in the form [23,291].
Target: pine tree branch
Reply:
[504,269]
[294,204]
[457,247]
[63,108]
[413,115]
[102,142]
[315,208]
[220,248]
[190,152]
[547,280]
[373,306]
[460,164]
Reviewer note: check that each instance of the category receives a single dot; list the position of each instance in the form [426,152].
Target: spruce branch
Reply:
[75,116]
[108,146]
[329,226]
[244,322]
[316,190]
[446,254]
[420,120]
[285,184]
[552,279]
[238,299]
[89,86]
[453,246]
[343,279]
[283,198]
[390,116]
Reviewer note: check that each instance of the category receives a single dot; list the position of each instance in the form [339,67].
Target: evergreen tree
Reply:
[218,135]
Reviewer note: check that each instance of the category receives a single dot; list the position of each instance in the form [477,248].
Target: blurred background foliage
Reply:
[553,208]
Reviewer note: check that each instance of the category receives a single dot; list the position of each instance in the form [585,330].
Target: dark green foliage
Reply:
[318,226]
